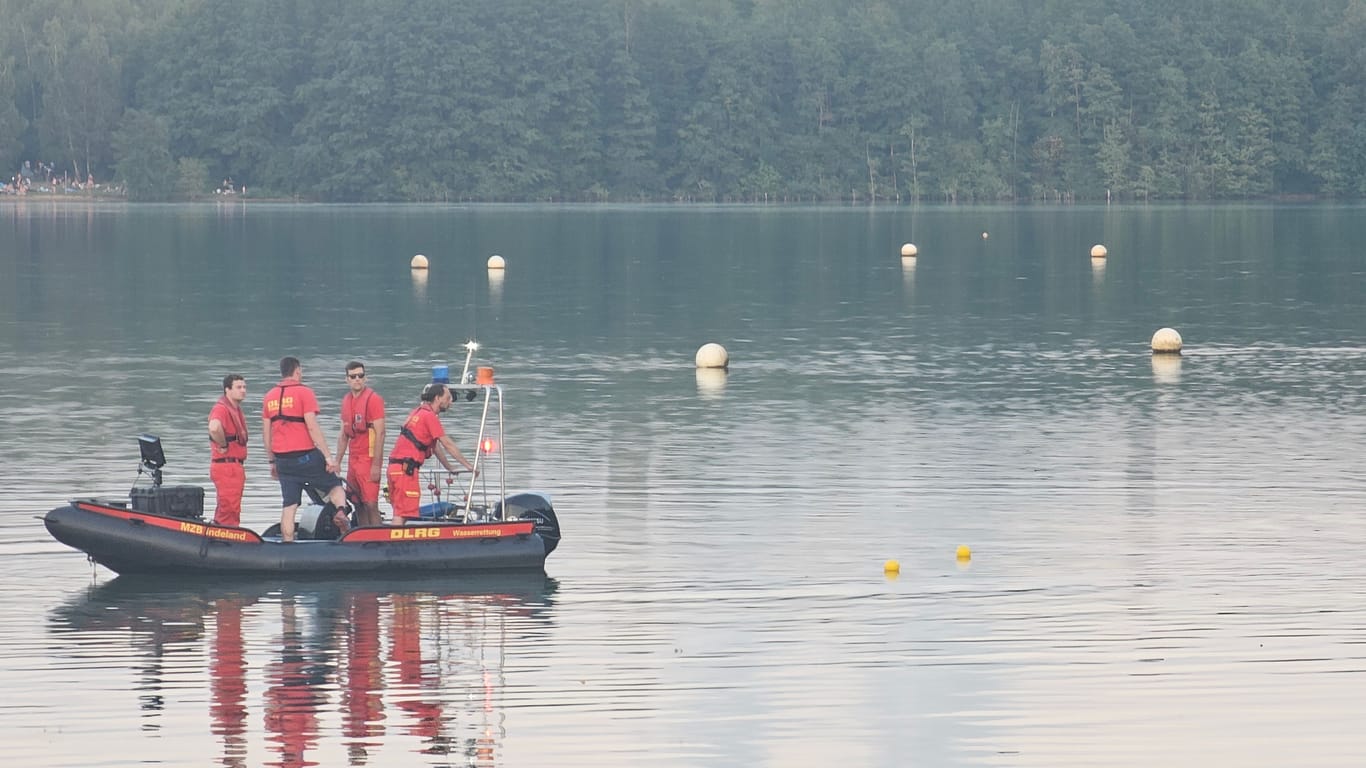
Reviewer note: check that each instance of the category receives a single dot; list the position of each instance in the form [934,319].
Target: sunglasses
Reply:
[355,375]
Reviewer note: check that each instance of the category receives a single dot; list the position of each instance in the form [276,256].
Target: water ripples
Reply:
[1163,566]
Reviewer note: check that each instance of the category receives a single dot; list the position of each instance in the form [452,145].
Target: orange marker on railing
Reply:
[484,376]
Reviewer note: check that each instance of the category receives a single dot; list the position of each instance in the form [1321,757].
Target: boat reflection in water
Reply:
[350,666]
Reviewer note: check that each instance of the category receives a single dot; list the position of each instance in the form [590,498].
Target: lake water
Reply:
[1165,562]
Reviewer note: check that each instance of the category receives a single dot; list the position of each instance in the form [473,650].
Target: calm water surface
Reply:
[1166,558]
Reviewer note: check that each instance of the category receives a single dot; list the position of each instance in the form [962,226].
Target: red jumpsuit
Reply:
[227,467]
[358,417]
[416,441]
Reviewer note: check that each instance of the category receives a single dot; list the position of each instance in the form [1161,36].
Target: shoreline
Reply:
[77,198]
[62,198]
[98,198]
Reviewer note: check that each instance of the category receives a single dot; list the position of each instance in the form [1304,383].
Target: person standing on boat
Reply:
[362,414]
[228,450]
[299,457]
[421,436]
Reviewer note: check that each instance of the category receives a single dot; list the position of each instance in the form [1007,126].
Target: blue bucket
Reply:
[441,374]
[434,510]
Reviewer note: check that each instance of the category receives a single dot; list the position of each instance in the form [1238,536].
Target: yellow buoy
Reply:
[909,250]
[419,262]
[1099,251]
[963,552]
[712,355]
[1167,341]
[891,566]
[496,262]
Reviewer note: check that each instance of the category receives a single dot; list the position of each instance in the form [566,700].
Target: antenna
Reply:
[471,347]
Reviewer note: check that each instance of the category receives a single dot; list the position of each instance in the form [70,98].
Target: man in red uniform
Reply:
[362,413]
[299,457]
[228,450]
[421,436]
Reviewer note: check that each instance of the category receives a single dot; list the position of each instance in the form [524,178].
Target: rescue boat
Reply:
[161,529]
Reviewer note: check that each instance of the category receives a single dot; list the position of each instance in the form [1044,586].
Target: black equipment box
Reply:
[186,501]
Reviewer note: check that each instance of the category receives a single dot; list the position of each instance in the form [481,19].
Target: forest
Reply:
[767,101]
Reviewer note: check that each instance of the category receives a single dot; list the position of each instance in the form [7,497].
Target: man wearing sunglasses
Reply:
[362,414]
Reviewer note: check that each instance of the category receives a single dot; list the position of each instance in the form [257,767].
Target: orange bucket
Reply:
[484,376]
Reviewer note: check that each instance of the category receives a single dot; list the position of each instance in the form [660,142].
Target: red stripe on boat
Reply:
[192,527]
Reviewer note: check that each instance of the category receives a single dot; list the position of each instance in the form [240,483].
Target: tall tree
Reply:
[1112,159]
[628,127]
[80,81]
[12,124]
[142,144]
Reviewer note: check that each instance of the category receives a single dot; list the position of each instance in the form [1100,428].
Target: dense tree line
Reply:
[706,100]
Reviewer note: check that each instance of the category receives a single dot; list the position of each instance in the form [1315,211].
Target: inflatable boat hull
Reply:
[129,541]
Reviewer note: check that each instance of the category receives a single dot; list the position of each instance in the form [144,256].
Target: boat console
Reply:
[183,501]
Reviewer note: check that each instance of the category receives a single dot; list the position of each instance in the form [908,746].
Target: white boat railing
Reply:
[489,450]
[490,455]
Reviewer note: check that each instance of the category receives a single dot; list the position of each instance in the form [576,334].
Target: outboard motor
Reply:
[306,521]
[311,524]
[537,508]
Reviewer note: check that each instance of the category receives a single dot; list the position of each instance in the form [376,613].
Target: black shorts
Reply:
[298,470]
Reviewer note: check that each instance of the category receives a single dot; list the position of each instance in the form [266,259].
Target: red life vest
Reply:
[414,444]
[289,431]
[356,420]
[234,430]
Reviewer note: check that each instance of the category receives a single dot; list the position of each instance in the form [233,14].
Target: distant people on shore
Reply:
[43,179]
[227,188]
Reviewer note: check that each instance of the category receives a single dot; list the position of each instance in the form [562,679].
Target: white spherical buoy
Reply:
[985,235]
[1167,341]
[712,355]
[908,250]
[419,262]
[1099,251]
[496,262]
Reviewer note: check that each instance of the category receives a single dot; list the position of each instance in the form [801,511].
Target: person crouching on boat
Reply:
[228,450]
[299,457]
[421,436]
